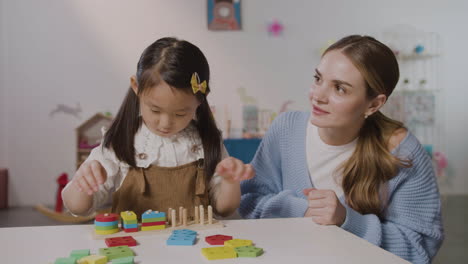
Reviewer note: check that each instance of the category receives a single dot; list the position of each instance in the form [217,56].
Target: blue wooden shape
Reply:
[152,214]
[114,223]
[126,226]
[184,232]
[181,240]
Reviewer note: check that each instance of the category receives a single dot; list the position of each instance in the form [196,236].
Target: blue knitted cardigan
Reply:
[412,225]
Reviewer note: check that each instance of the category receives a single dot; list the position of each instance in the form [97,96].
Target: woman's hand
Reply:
[89,176]
[233,170]
[324,207]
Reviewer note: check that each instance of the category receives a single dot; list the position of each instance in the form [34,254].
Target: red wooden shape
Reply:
[130,230]
[217,239]
[121,241]
[153,223]
[110,217]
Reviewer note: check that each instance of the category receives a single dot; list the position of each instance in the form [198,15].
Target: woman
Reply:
[347,164]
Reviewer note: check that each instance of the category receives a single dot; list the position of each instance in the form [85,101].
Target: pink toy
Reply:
[275,28]
[62,180]
[441,163]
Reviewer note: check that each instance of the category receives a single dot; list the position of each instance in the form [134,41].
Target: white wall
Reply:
[84,51]
[3,105]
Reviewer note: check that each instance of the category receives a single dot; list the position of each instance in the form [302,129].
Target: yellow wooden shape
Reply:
[92,259]
[238,243]
[128,215]
[107,232]
[213,253]
[149,228]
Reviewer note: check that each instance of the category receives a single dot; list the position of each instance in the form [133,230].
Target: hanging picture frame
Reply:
[224,15]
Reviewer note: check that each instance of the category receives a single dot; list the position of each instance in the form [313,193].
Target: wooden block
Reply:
[128,216]
[130,230]
[107,217]
[131,222]
[113,223]
[217,239]
[248,251]
[69,260]
[128,226]
[156,227]
[155,219]
[102,228]
[121,241]
[184,232]
[126,260]
[237,243]
[106,232]
[116,252]
[152,214]
[154,223]
[181,240]
[213,253]
[93,259]
[80,253]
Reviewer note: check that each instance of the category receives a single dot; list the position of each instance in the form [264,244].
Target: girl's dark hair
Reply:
[172,61]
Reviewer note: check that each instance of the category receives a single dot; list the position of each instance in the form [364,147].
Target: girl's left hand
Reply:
[324,207]
[234,170]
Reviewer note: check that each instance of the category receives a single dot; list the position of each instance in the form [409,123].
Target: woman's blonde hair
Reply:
[372,164]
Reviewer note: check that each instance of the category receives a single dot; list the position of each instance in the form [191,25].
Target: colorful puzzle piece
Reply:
[213,253]
[248,251]
[70,260]
[113,223]
[126,260]
[181,240]
[217,239]
[154,219]
[152,214]
[116,252]
[107,232]
[79,253]
[121,241]
[184,232]
[93,259]
[156,227]
[128,216]
[238,243]
[108,217]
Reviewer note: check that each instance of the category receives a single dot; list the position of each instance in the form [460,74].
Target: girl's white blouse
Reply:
[150,149]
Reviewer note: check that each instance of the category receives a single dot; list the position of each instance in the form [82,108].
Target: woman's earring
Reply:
[366,116]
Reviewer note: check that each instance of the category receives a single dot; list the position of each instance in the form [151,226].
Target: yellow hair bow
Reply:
[196,85]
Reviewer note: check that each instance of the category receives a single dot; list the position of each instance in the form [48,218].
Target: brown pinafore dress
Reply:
[160,188]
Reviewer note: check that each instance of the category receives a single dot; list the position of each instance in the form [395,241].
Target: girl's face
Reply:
[165,110]
[338,95]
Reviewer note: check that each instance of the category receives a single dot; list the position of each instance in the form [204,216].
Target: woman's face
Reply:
[338,94]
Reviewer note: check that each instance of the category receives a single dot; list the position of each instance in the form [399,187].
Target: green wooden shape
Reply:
[248,251]
[79,253]
[126,260]
[116,252]
[69,260]
[156,219]
[105,227]
[130,222]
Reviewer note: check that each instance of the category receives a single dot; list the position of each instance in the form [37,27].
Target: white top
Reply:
[323,161]
[150,149]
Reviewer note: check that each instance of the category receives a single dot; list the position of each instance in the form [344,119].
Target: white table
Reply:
[285,240]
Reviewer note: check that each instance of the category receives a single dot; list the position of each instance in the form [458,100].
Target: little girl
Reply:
[163,150]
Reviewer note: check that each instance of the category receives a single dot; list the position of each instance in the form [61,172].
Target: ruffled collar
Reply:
[148,145]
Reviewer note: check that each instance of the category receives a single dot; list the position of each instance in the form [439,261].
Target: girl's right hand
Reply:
[89,176]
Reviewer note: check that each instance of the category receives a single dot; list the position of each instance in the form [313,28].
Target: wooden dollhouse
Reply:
[89,135]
